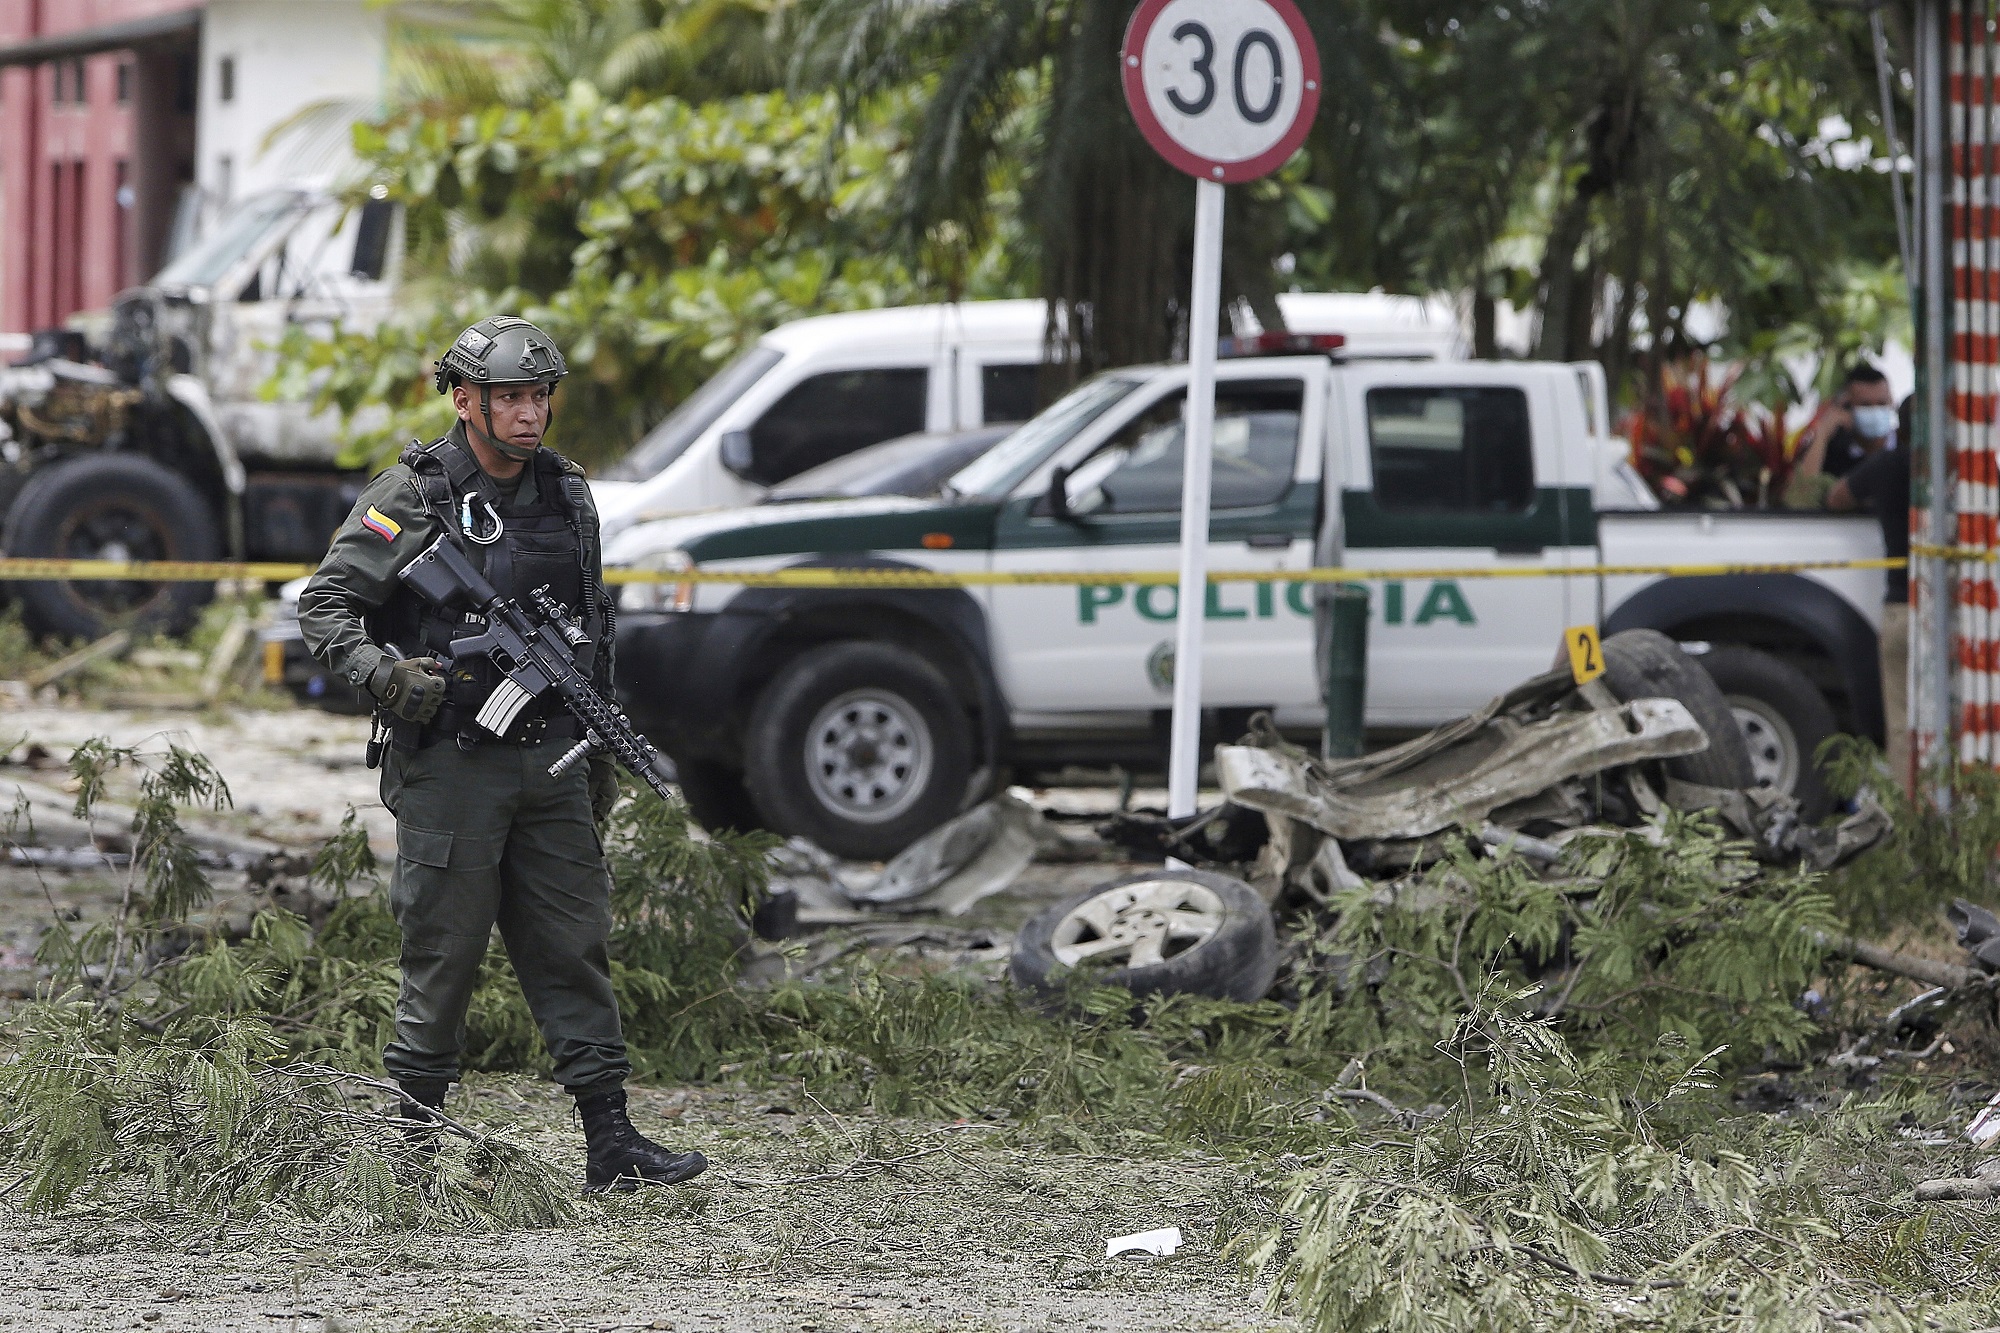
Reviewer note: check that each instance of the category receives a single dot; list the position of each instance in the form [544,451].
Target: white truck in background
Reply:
[815,389]
[862,717]
[158,443]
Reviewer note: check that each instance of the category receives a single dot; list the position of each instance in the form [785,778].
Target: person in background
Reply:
[1881,484]
[1854,425]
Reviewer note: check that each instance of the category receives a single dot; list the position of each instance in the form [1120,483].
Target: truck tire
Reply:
[1160,932]
[1783,717]
[110,506]
[861,747]
[1646,664]
[716,796]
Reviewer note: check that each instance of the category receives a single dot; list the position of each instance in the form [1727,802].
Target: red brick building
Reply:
[97,142]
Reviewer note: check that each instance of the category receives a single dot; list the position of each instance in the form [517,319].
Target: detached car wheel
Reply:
[1646,664]
[1162,932]
[110,507]
[861,747]
[1783,717]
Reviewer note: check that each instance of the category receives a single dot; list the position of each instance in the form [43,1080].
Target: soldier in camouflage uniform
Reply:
[484,836]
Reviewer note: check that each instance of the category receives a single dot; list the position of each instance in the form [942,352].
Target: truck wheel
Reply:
[861,747]
[716,796]
[1162,932]
[1783,716]
[110,507]
[1646,664]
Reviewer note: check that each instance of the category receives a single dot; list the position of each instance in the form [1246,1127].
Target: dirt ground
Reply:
[807,1221]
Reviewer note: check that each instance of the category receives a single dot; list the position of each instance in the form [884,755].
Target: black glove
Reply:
[412,688]
[603,786]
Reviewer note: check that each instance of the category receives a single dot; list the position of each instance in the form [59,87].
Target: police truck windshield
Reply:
[1001,468]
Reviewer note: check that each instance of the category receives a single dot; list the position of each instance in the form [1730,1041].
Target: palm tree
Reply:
[1109,224]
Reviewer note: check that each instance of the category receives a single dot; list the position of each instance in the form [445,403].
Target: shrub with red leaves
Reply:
[1696,446]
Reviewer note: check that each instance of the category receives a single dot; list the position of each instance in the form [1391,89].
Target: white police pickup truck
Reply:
[863,717]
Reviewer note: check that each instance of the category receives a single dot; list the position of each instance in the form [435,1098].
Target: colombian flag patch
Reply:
[379,523]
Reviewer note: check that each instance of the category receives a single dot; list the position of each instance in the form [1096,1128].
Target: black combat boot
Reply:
[620,1157]
[421,1096]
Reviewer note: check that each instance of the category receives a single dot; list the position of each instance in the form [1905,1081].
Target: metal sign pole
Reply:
[1224,90]
[1931,640]
[1204,315]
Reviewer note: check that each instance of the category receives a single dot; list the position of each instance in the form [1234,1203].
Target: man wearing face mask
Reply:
[1856,423]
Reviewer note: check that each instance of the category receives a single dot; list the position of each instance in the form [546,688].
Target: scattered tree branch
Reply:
[1927,970]
[1408,1119]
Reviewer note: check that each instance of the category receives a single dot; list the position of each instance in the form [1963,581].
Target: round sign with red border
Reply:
[1225,90]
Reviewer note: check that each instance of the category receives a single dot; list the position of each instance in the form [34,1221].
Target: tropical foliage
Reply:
[660,180]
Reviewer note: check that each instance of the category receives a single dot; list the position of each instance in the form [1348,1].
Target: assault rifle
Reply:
[533,659]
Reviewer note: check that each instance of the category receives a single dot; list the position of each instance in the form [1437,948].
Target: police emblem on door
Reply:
[1160,666]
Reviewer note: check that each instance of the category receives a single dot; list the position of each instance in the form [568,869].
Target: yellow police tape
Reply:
[210,571]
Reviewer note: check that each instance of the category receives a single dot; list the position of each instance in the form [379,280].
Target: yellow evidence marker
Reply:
[1586,654]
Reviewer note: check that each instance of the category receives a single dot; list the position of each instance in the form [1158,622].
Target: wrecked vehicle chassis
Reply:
[1539,766]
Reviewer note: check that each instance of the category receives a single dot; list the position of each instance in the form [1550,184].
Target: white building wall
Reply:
[287,56]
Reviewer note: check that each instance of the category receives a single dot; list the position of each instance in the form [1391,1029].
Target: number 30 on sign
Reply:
[1225,90]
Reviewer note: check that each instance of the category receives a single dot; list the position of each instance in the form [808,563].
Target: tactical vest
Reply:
[548,542]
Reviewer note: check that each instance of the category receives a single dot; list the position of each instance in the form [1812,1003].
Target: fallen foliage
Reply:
[1562,1192]
[1485,1097]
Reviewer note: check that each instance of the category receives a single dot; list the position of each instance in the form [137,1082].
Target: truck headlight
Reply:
[661,594]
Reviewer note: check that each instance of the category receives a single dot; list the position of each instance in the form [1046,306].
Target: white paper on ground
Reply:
[1162,1242]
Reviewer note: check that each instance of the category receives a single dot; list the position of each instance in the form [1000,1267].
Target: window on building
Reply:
[225,177]
[124,83]
[225,79]
[66,83]
[184,83]
[1451,449]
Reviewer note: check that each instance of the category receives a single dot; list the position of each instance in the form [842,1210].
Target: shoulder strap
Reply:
[563,483]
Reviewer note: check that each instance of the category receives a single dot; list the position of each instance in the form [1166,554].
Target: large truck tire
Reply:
[861,747]
[110,506]
[1160,932]
[1783,717]
[1646,664]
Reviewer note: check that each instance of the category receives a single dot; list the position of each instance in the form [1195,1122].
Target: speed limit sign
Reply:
[1225,90]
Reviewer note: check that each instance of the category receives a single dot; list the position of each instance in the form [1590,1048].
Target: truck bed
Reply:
[1671,536]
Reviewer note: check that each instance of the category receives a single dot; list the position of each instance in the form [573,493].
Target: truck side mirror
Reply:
[736,452]
[1057,499]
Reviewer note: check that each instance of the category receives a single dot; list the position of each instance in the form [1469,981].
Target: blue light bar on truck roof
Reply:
[1281,344]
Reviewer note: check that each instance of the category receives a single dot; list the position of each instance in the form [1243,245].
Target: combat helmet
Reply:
[501,349]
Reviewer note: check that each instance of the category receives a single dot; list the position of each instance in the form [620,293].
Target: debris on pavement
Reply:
[1160,1243]
[1978,931]
[1227,833]
[963,860]
[801,867]
[1544,764]
[1985,1126]
[1515,750]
